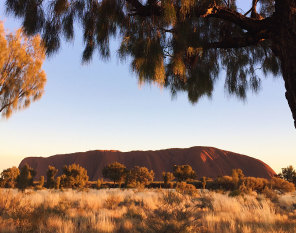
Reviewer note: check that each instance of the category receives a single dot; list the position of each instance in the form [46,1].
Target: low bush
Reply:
[183,187]
[25,178]
[255,184]
[74,176]
[8,177]
[281,185]
[139,177]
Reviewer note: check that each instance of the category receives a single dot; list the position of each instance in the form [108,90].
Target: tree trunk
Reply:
[288,64]
[284,46]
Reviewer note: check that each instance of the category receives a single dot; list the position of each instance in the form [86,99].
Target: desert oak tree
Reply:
[180,44]
[22,79]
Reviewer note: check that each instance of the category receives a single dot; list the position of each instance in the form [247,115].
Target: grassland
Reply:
[149,210]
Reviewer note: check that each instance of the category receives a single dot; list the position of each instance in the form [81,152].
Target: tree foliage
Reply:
[26,177]
[22,79]
[74,176]
[40,183]
[57,182]
[282,185]
[288,174]
[167,177]
[139,176]
[237,177]
[50,174]
[8,177]
[182,45]
[183,172]
[115,172]
[255,183]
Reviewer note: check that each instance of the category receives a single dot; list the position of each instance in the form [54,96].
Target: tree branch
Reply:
[5,106]
[246,23]
[237,42]
[254,25]
[151,8]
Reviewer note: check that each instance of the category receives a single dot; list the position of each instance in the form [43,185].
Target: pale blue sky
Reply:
[100,106]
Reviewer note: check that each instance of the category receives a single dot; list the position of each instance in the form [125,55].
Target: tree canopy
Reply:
[288,174]
[22,79]
[26,177]
[139,176]
[8,177]
[183,172]
[115,172]
[50,174]
[179,44]
[74,176]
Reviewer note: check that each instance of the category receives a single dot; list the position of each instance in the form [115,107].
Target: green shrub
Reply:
[237,177]
[158,184]
[139,177]
[115,172]
[270,193]
[41,182]
[183,172]
[74,176]
[183,187]
[281,185]
[225,183]
[288,174]
[167,178]
[235,193]
[50,174]
[8,177]
[57,183]
[25,178]
[255,184]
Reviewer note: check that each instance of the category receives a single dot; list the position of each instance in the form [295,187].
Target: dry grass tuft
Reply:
[167,211]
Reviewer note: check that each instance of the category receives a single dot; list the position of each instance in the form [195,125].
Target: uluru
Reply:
[206,161]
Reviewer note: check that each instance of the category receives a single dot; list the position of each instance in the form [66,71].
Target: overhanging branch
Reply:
[252,25]
[237,42]
[147,10]
[244,22]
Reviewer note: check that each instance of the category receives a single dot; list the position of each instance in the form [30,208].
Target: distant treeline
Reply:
[116,175]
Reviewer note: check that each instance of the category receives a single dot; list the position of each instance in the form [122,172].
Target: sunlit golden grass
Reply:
[115,210]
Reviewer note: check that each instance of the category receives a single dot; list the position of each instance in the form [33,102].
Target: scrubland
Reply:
[146,210]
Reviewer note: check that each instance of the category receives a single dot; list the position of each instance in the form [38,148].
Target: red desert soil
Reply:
[206,161]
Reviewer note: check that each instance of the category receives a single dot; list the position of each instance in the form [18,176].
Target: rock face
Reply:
[206,161]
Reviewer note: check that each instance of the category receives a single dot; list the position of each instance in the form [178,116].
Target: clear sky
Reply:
[101,106]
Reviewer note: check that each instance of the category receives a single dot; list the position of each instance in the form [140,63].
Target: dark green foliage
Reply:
[224,182]
[139,177]
[288,174]
[239,184]
[25,178]
[281,185]
[50,174]
[183,187]
[168,42]
[237,177]
[57,183]
[74,176]
[40,183]
[184,172]
[8,177]
[255,184]
[115,172]
[167,178]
